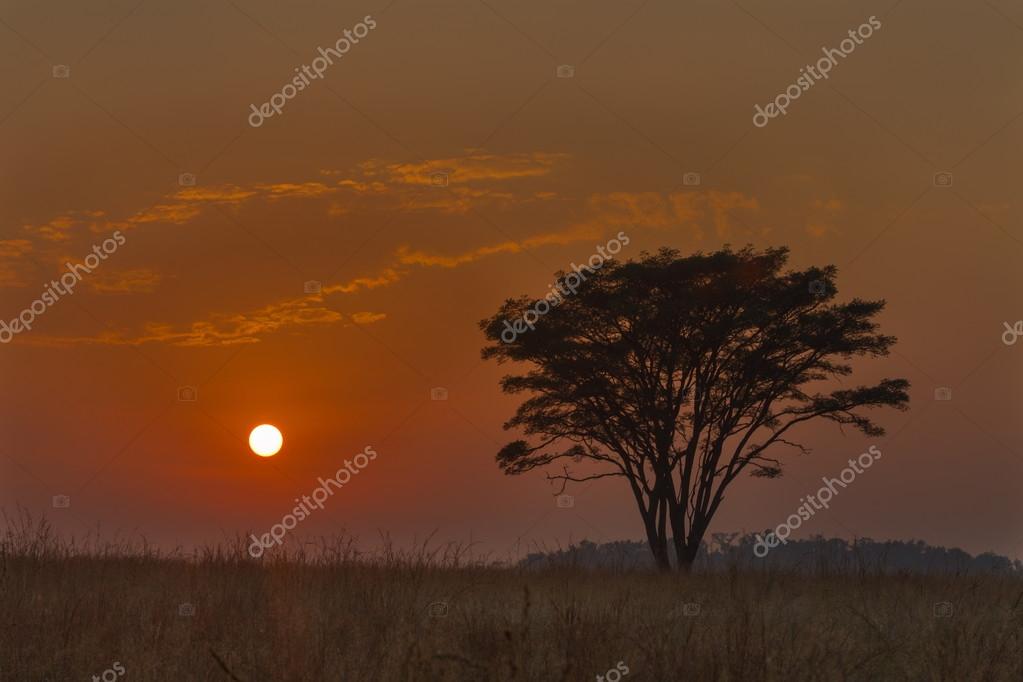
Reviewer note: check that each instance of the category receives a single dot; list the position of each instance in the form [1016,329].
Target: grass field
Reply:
[70,612]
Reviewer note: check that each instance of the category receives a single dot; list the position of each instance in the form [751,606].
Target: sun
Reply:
[266,440]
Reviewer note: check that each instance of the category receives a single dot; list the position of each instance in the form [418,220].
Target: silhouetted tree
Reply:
[679,373]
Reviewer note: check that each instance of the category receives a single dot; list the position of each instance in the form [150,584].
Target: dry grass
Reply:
[70,611]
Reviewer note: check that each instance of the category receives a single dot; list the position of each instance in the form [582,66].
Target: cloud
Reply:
[408,256]
[12,252]
[386,277]
[456,184]
[227,330]
[457,199]
[476,177]
[375,186]
[186,204]
[220,194]
[379,178]
[723,204]
[367,318]
[474,167]
[133,281]
[221,329]
[59,229]
[692,210]
[822,214]
[14,248]
[175,214]
[283,190]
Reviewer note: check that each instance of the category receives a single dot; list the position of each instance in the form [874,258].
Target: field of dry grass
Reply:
[70,612]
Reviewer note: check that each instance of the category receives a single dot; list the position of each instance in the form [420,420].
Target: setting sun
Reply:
[266,440]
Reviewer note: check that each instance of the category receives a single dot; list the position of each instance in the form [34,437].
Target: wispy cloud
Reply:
[474,178]
[694,211]
[131,281]
[12,253]
[409,256]
[821,217]
[474,167]
[60,228]
[295,190]
[377,177]
[221,329]
[386,277]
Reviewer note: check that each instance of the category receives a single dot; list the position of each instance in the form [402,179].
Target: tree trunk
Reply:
[661,557]
[686,557]
[688,547]
[658,542]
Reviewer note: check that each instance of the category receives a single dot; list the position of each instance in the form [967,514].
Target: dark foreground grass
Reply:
[68,613]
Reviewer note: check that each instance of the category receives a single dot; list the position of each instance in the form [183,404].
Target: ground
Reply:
[430,616]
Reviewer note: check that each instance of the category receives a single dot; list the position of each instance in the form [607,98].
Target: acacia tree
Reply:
[679,373]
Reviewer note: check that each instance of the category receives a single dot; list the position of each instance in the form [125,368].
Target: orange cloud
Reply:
[282,190]
[135,281]
[689,209]
[228,194]
[821,220]
[59,229]
[187,203]
[723,203]
[457,199]
[175,214]
[407,256]
[14,248]
[388,276]
[222,329]
[375,186]
[367,318]
[12,252]
[474,167]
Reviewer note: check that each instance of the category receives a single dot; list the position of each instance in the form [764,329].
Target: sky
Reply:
[440,166]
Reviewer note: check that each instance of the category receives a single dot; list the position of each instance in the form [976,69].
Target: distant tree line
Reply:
[816,555]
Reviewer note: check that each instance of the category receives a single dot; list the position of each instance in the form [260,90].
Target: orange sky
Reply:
[207,289]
